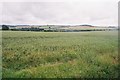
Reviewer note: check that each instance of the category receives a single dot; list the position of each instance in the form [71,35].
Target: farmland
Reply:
[59,54]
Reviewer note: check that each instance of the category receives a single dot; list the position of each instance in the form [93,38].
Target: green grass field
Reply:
[60,54]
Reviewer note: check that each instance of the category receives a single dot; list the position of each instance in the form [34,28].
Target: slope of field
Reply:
[60,54]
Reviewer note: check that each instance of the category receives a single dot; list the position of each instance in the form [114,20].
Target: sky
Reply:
[72,12]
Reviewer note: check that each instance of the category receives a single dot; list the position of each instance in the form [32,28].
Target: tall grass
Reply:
[60,54]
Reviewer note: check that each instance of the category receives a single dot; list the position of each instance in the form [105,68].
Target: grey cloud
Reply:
[98,13]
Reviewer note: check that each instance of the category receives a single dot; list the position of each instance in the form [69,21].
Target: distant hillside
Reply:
[60,28]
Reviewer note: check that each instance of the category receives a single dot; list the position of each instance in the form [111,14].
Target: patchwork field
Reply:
[59,54]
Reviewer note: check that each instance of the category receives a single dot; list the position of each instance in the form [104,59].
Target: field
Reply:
[59,54]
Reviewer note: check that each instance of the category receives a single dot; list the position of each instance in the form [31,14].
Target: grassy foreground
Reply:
[60,54]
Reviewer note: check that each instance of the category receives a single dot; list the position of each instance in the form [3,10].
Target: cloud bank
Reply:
[84,12]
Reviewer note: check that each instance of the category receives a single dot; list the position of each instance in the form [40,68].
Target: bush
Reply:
[5,27]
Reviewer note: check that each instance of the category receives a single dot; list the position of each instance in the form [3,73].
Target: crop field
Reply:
[59,54]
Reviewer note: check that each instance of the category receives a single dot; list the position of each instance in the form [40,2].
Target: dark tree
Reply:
[5,27]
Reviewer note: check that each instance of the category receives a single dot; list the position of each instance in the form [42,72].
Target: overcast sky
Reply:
[99,12]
